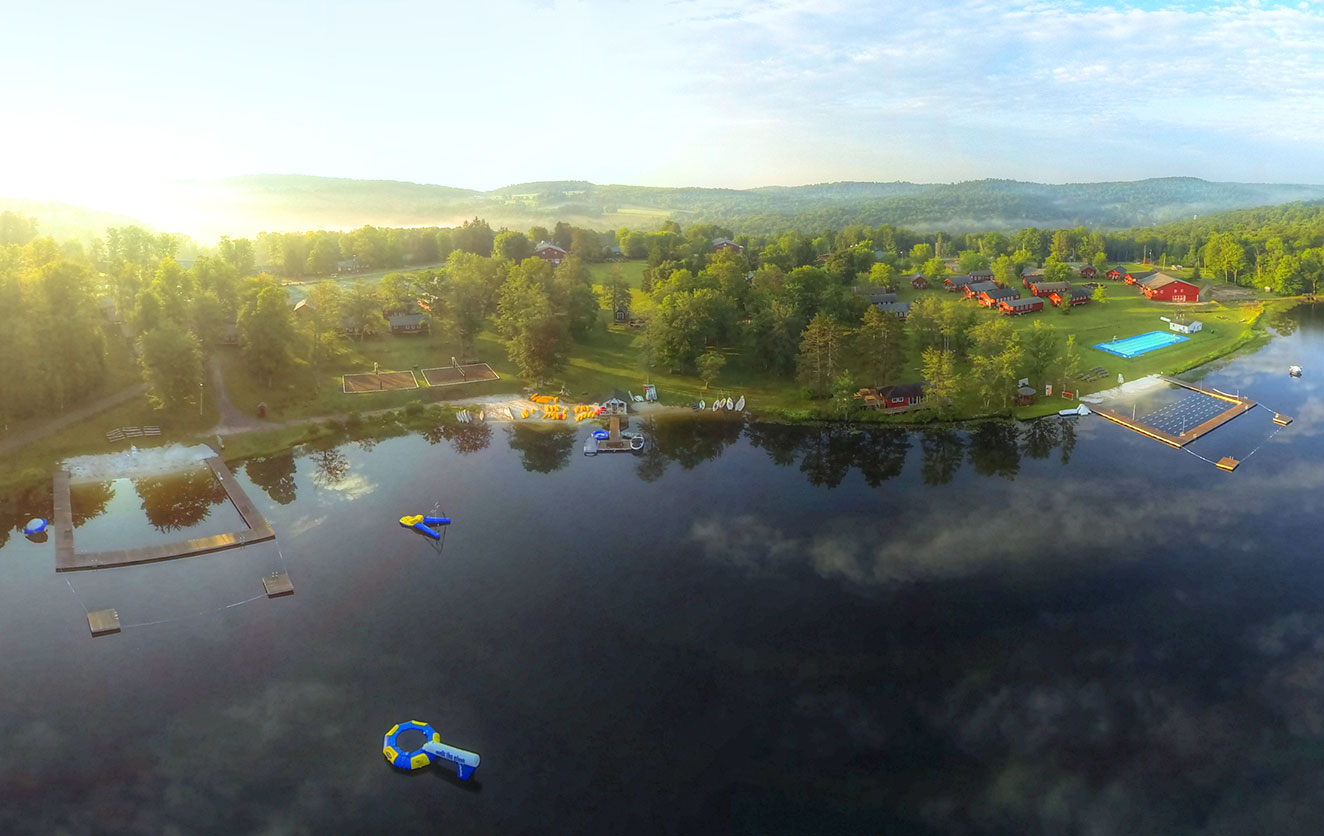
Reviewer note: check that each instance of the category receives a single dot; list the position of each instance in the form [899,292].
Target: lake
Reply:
[1050,627]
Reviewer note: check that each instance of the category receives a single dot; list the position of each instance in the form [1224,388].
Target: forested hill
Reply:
[244,206]
[264,202]
[64,221]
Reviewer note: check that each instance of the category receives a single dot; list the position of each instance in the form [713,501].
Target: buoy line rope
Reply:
[196,614]
[86,611]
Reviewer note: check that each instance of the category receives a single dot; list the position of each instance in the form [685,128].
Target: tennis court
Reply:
[378,382]
[455,375]
[1141,343]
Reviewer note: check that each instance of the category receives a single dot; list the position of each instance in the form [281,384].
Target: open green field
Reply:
[298,290]
[631,271]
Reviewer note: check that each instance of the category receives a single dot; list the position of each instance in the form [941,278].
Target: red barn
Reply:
[1165,288]
[549,253]
[1016,307]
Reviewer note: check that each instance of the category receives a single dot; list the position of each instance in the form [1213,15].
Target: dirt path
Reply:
[232,419]
[72,417]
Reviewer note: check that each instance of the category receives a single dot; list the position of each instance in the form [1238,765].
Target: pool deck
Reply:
[1239,405]
[68,559]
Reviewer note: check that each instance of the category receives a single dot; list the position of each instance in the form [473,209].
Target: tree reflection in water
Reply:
[542,450]
[330,466]
[994,450]
[690,443]
[179,500]
[89,500]
[944,450]
[469,438]
[1039,438]
[275,475]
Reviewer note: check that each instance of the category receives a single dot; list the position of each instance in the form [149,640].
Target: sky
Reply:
[104,102]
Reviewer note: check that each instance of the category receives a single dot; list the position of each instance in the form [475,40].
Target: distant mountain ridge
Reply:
[246,205]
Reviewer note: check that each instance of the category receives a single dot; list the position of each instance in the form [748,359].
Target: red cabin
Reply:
[1117,274]
[1043,288]
[1088,272]
[1016,307]
[1072,296]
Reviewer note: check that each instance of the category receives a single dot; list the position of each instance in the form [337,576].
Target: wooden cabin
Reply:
[1043,288]
[991,298]
[1072,296]
[918,281]
[1088,272]
[973,289]
[902,397]
[955,283]
[1117,274]
[1016,307]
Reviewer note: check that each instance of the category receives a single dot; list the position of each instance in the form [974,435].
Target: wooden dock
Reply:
[68,559]
[1237,406]
[613,443]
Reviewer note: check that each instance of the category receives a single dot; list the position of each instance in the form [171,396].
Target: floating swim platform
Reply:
[411,759]
[431,751]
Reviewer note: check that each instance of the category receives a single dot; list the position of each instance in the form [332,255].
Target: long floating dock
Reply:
[1238,406]
[68,559]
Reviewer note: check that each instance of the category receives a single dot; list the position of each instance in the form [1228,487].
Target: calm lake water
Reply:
[1038,628]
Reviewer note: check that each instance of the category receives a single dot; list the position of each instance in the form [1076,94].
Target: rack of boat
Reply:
[720,404]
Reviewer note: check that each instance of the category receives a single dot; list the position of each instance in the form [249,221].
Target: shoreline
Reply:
[278,436]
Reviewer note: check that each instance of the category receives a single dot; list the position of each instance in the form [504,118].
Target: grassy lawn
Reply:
[612,358]
[298,290]
[1125,313]
[631,271]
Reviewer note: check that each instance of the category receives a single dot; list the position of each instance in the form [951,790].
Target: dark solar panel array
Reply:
[1186,414]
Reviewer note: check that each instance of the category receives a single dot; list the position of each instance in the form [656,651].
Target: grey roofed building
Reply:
[876,296]
[901,310]
[1044,288]
[407,323]
[999,293]
[985,275]
[979,287]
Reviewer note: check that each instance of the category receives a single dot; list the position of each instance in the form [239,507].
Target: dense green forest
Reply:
[792,305]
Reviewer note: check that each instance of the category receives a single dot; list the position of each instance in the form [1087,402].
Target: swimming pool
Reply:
[1141,343]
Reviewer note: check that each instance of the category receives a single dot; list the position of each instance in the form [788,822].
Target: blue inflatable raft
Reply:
[36,525]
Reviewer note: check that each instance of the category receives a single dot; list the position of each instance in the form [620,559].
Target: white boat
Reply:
[730,404]
[459,416]
[717,405]
[1294,371]
[638,399]
[702,405]
[637,442]
[1081,410]
[740,404]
